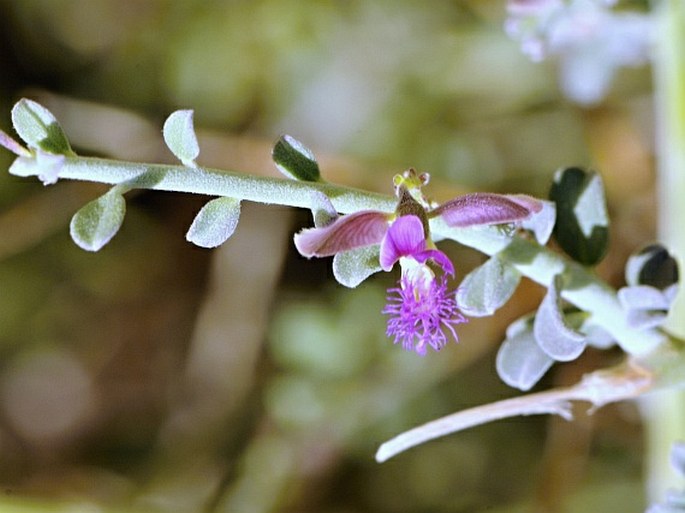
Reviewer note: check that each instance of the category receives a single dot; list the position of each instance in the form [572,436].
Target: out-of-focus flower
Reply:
[421,308]
[590,40]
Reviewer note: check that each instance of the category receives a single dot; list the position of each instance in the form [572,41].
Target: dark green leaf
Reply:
[652,266]
[582,221]
[295,161]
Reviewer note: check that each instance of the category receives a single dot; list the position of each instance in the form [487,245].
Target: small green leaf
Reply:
[553,334]
[582,221]
[487,288]
[179,136]
[214,223]
[97,222]
[653,265]
[520,361]
[295,161]
[352,267]
[39,128]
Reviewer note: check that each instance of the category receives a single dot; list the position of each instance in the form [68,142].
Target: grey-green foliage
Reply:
[487,288]
[520,361]
[214,223]
[179,136]
[553,334]
[350,268]
[582,226]
[98,221]
[39,128]
[295,160]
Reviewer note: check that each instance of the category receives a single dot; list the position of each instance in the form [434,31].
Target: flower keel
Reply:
[421,309]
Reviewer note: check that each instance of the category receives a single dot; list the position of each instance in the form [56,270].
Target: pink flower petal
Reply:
[345,233]
[487,208]
[404,237]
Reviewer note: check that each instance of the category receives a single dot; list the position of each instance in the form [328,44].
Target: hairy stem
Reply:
[584,288]
[598,388]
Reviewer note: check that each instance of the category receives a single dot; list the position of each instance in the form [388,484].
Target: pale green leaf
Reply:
[487,288]
[520,362]
[97,222]
[179,135]
[39,128]
[352,267]
[553,334]
[214,223]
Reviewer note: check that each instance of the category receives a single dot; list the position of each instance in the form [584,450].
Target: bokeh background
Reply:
[155,376]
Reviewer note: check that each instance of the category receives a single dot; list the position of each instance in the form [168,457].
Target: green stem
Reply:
[214,182]
[664,413]
[584,289]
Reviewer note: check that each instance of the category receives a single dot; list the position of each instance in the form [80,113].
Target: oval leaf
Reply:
[39,128]
[98,221]
[179,136]
[487,288]
[520,361]
[582,221]
[295,160]
[552,333]
[352,267]
[214,223]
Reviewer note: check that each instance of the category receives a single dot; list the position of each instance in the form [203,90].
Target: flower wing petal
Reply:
[345,233]
[438,257]
[404,237]
[487,208]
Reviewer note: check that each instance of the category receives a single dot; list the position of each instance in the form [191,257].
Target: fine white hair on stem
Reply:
[598,388]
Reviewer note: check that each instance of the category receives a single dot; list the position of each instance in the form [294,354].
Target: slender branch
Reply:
[214,182]
[538,263]
[599,388]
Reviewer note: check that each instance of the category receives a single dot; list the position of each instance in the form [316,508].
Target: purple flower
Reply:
[421,308]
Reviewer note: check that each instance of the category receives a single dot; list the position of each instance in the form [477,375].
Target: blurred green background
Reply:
[156,376]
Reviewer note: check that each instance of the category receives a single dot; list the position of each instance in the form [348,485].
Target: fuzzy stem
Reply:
[584,288]
[214,182]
